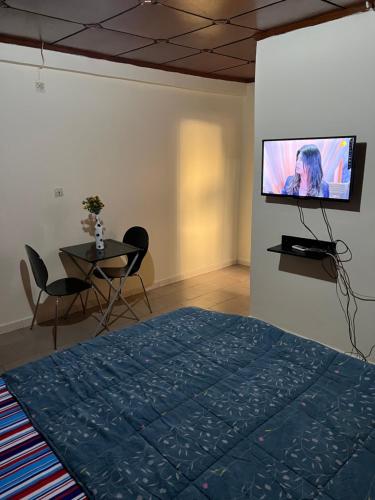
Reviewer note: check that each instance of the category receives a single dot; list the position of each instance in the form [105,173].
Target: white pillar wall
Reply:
[315,82]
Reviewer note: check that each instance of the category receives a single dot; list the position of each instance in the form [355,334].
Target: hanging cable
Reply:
[39,84]
[302,219]
[347,297]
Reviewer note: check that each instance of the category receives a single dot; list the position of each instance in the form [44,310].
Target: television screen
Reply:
[308,168]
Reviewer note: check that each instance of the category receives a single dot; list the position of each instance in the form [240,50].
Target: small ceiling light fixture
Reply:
[221,21]
[148,2]
[96,26]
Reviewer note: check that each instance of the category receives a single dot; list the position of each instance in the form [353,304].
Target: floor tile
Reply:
[225,290]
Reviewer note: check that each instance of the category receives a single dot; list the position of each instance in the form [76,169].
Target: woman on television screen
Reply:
[308,176]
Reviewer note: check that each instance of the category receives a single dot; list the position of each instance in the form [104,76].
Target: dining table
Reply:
[87,253]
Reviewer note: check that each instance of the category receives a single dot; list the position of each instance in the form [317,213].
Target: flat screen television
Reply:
[319,167]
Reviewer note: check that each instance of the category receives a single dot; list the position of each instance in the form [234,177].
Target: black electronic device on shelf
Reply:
[304,247]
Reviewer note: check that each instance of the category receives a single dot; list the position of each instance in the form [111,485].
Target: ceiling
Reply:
[214,38]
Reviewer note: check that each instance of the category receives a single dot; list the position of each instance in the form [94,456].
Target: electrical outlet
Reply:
[59,192]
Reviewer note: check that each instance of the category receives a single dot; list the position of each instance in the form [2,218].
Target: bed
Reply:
[196,404]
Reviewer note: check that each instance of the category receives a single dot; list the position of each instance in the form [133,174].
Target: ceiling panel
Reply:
[159,53]
[105,41]
[81,11]
[217,9]
[214,35]
[156,21]
[18,23]
[244,71]
[204,36]
[282,13]
[205,62]
[348,3]
[246,49]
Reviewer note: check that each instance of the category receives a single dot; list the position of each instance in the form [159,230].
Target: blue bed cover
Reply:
[197,404]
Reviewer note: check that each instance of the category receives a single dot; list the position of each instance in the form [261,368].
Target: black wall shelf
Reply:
[317,249]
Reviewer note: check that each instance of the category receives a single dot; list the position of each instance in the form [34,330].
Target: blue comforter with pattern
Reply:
[197,404]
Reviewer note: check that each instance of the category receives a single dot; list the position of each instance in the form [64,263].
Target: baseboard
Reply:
[24,322]
[15,325]
[184,276]
[243,262]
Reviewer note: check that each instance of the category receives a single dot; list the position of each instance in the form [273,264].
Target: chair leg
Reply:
[87,297]
[144,290]
[36,310]
[71,305]
[56,321]
[109,295]
[82,304]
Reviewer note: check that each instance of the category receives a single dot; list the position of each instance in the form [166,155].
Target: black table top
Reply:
[89,253]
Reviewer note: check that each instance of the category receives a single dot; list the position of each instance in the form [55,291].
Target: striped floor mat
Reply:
[28,467]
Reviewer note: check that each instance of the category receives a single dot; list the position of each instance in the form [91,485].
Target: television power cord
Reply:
[347,297]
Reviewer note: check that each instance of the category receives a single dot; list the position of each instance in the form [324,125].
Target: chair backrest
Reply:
[38,267]
[138,237]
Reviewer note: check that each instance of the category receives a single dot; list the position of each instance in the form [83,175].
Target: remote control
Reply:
[300,248]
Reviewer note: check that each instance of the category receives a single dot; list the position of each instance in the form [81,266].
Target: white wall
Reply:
[315,82]
[162,150]
[246,179]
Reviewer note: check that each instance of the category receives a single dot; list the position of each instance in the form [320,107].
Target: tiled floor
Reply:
[226,290]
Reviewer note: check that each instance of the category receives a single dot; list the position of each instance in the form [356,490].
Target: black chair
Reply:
[59,288]
[138,237]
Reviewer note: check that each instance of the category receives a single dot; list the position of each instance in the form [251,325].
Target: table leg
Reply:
[116,295]
[87,276]
[104,319]
[122,283]
[71,305]
[96,290]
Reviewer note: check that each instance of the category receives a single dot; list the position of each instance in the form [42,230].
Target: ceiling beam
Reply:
[313,21]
